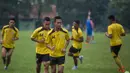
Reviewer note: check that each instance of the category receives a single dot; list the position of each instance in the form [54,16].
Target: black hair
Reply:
[13,19]
[46,19]
[77,22]
[111,17]
[57,17]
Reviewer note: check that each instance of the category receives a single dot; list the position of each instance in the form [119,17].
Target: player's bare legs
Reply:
[4,55]
[46,67]
[38,68]
[53,68]
[60,68]
[9,54]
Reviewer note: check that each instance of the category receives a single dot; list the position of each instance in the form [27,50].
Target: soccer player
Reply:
[89,29]
[59,40]
[9,35]
[42,52]
[115,31]
[77,38]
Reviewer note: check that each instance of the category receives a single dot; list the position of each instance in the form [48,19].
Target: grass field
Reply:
[97,57]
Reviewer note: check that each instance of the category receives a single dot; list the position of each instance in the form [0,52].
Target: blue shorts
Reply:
[89,32]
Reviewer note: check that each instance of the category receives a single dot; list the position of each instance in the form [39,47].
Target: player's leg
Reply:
[89,36]
[75,62]
[80,56]
[46,62]
[115,50]
[4,55]
[70,53]
[61,61]
[53,63]
[9,54]
[46,67]
[38,61]
[60,69]
[53,68]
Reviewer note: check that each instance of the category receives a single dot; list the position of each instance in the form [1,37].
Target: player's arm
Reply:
[109,33]
[34,37]
[81,39]
[67,42]
[78,40]
[122,31]
[48,41]
[2,35]
[92,24]
[16,36]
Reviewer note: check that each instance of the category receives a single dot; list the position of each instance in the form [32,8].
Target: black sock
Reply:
[4,60]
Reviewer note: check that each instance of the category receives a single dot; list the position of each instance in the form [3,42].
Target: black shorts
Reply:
[7,49]
[74,50]
[42,58]
[115,49]
[57,60]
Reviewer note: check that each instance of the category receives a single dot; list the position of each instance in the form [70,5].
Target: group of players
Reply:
[52,43]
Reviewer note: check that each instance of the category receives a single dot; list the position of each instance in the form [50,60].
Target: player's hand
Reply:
[41,41]
[71,38]
[64,50]
[106,34]
[52,48]
[1,41]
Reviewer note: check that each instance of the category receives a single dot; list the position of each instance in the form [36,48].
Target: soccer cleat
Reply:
[81,59]
[74,68]
[5,67]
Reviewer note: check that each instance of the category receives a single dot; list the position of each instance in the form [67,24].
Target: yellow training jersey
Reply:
[77,35]
[40,34]
[8,34]
[57,39]
[115,30]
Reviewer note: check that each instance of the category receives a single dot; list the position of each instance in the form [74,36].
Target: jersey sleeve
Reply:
[80,33]
[67,36]
[17,34]
[34,34]
[122,30]
[2,31]
[109,30]
[48,38]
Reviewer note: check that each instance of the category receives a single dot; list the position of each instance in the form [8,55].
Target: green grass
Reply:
[97,57]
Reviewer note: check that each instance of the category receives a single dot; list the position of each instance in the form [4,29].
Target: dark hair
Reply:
[13,19]
[46,19]
[77,22]
[111,17]
[57,17]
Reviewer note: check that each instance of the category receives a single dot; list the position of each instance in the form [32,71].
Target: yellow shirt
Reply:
[57,39]
[77,35]
[8,34]
[115,30]
[39,34]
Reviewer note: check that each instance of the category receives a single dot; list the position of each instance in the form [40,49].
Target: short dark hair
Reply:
[77,22]
[46,19]
[57,17]
[13,19]
[111,17]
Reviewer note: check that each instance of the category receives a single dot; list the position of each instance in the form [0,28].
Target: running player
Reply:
[115,31]
[77,37]
[42,52]
[89,28]
[59,40]
[9,35]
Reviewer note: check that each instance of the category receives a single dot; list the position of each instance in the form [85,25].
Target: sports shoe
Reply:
[5,67]
[81,59]
[74,68]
